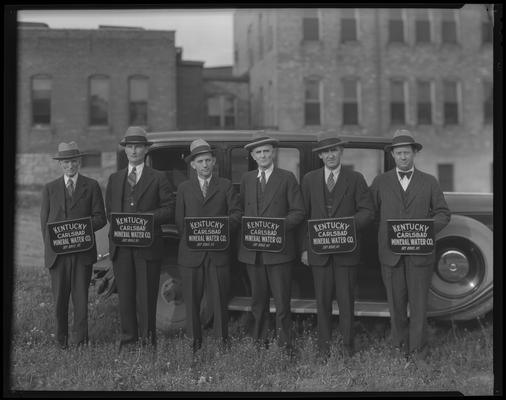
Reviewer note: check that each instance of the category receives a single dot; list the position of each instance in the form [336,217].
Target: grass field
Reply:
[460,359]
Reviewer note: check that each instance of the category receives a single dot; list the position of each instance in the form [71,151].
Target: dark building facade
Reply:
[371,71]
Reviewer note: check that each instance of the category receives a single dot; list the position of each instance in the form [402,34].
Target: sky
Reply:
[205,34]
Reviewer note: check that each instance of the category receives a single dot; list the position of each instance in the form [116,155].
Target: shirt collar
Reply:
[74,179]
[335,172]
[268,171]
[202,180]
[138,169]
[412,169]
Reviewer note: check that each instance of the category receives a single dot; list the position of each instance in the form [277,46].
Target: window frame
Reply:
[455,20]
[458,95]
[404,27]
[429,20]
[33,78]
[432,96]
[355,19]
[358,90]
[130,79]
[405,100]
[318,80]
[311,15]
[106,78]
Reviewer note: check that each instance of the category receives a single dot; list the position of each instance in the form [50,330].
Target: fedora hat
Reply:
[403,137]
[68,150]
[261,141]
[198,146]
[135,135]
[328,143]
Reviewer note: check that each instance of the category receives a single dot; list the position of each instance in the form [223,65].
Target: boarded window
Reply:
[41,100]
[445,175]
[99,101]
[310,25]
[397,103]
[221,111]
[138,107]
[312,102]
[422,27]
[424,103]
[449,27]
[348,25]
[350,102]
[395,26]
[450,104]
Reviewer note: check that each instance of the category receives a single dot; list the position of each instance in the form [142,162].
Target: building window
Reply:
[350,101]
[397,102]
[395,26]
[99,101]
[451,102]
[138,107]
[424,102]
[310,25]
[92,158]
[449,27]
[445,176]
[41,100]
[312,102]
[422,27]
[487,30]
[488,102]
[221,111]
[348,25]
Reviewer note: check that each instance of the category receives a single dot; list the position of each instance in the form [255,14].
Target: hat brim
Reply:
[69,157]
[328,146]
[415,145]
[190,157]
[253,145]
[146,143]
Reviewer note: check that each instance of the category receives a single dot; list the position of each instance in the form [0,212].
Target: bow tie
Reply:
[405,174]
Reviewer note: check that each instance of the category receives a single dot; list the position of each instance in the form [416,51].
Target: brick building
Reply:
[89,85]
[370,71]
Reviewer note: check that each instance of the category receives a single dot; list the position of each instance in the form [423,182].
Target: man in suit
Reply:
[270,192]
[69,197]
[205,195]
[138,189]
[405,192]
[334,192]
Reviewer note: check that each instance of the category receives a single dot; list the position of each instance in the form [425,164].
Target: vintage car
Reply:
[462,285]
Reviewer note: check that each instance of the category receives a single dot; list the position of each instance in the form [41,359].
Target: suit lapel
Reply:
[117,187]
[339,191]
[253,195]
[195,187]
[394,184]
[144,182]
[60,194]
[271,188]
[414,187]
[213,188]
[319,187]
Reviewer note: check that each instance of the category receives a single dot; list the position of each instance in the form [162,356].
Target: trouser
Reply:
[343,279]
[278,278]
[216,281]
[70,280]
[408,283]
[137,282]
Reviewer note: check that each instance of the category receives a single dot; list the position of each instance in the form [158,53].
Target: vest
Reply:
[260,196]
[329,197]
[68,202]
[129,198]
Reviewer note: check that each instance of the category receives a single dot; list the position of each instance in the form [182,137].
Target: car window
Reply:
[239,163]
[369,162]
[289,158]
[172,161]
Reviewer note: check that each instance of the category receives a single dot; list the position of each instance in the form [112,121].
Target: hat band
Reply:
[68,153]
[403,139]
[134,138]
[201,149]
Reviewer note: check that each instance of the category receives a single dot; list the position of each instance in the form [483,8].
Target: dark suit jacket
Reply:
[424,199]
[153,196]
[282,199]
[87,201]
[221,200]
[351,199]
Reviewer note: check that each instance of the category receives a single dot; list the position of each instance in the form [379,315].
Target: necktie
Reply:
[70,187]
[205,186]
[263,182]
[405,174]
[132,178]
[330,182]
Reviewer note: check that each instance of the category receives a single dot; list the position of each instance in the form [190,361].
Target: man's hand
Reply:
[303,258]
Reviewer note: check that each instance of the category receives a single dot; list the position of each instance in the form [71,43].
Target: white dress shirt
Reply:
[268,173]
[202,180]
[335,172]
[74,179]
[405,181]
[138,170]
